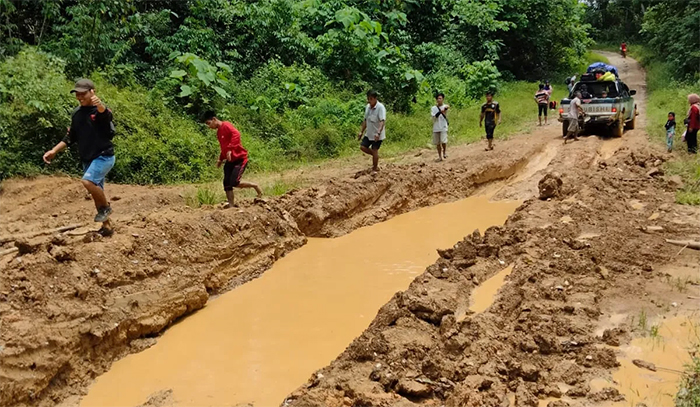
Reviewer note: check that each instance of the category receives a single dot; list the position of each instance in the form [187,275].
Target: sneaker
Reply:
[103,214]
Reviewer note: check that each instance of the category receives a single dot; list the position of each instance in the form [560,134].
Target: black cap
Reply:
[83,85]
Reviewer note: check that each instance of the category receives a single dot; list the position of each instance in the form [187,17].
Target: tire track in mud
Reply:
[537,343]
[73,304]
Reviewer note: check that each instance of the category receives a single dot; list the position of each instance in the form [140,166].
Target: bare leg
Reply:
[98,195]
[439,150]
[229,198]
[244,184]
[540,120]
[375,156]
[490,144]
[444,150]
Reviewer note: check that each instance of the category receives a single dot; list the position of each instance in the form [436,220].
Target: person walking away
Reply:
[440,125]
[623,49]
[373,124]
[542,100]
[491,114]
[691,135]
[92,129]
[232,155]
[548,87]
[575,110]
[670,130]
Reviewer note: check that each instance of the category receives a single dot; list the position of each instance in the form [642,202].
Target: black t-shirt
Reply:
[489,111]
[93,131]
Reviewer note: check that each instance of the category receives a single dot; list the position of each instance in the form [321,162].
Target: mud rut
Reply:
[73,303]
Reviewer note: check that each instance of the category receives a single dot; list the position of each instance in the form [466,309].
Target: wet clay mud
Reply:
[255,344]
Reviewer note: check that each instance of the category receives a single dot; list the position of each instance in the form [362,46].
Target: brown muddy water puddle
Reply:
[483,296]
[668,350]
[257,343]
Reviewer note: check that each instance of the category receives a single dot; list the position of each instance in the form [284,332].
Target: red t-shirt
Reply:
[230,140]
[694,117]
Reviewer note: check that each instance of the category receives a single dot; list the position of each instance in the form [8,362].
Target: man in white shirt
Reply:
[575,110]
[375,118]
[440,124]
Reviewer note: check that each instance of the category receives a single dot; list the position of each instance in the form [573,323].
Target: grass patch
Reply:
[204,195]
[280,187]
[668,95]
[689,390]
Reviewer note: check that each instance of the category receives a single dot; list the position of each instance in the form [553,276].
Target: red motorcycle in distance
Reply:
[623,50]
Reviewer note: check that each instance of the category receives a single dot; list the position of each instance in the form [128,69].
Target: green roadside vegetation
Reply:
[667,94]
[663,37]
[290,74]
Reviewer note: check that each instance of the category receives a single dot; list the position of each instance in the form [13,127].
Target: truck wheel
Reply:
[619,128]
[632,123]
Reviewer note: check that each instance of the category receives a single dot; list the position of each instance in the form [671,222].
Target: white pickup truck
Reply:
[608,103]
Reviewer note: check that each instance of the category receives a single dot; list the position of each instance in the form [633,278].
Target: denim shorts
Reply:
[97,169]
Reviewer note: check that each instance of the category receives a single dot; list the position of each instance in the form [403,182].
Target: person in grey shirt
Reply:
[375,118]
[575,111]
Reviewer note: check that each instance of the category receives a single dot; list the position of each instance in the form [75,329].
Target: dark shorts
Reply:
[542,109]
[373,144]
[233,171]
[490,127]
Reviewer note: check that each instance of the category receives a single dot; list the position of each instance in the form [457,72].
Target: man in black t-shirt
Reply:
[92,129]
[491,114]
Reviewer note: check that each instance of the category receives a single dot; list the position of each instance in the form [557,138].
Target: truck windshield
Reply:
[596,89]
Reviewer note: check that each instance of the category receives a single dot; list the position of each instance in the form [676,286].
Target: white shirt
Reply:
[573,108]
[439,123]
[374,116]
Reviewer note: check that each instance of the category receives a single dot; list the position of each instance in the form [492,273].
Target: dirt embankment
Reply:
[595,244]
[71,303]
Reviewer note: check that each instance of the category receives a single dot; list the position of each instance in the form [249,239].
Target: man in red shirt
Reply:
[233,153]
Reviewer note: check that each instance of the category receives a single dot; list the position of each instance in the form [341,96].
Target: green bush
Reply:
[480,77]
[35,106]
[669,95]
[153,144]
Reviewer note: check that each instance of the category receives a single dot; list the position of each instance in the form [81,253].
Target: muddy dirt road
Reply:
[585,262]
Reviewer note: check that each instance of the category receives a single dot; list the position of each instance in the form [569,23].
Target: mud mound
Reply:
[425,347]
[341,205]
[549,186]
[71,305]
[73,302]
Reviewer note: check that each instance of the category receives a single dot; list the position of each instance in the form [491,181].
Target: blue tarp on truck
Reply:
[602,66]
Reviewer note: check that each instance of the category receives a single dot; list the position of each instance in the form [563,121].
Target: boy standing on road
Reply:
[491,113]
[670,130]
[233,153]
[440,124]
[92,129]
[542,100]
[575,110]
[375,118]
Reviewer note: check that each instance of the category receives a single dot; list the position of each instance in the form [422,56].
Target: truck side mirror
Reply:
[633,92]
